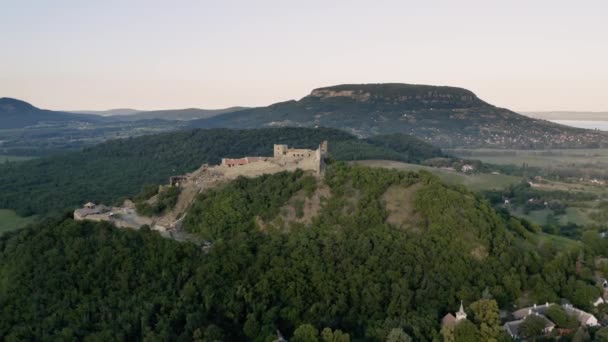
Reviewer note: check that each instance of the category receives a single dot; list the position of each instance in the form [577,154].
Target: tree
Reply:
[559,316]
[601,335]
[532,327]
[466,331]
[398,335]
[582,335]
[305,333]
[327,335]
[447,333]
[487,316]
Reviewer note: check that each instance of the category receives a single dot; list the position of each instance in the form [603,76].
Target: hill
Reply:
[385,250]
[177,114]
[19,114]
[127,114]
[119,168]
[109,112]
[443,116]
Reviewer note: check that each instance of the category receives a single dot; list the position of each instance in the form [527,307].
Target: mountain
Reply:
[360,253]
[443,116]
[119,168]
[19,114]
[177,114]
[109,112]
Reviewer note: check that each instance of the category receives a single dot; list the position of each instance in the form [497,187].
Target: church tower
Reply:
[460,315]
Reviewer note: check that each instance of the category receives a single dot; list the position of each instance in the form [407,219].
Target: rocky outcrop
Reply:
[401,94]
[357,95]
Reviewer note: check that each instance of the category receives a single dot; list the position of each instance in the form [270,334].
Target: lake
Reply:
[601,125]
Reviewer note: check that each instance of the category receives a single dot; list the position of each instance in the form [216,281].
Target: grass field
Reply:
[9,220]
[559,241]
[538,158]
[476,182]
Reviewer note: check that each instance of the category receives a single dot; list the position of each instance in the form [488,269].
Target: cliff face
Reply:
[448,97]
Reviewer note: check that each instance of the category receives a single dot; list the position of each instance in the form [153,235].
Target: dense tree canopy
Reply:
[348,270]
[119,168]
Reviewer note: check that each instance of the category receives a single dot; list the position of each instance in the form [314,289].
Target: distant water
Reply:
[601,125]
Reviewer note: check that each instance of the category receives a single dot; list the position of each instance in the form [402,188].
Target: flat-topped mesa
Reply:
[399,93]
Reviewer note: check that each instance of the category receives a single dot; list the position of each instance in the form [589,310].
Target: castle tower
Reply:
[323,147]
[460,315]
[280,150]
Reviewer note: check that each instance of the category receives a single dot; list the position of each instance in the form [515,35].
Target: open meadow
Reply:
[559,158]
[476,182]
[9,220]
[573,171]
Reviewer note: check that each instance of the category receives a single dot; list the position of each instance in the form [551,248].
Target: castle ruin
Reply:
[206,177]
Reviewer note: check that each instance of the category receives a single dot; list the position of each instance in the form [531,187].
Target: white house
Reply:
[582,316]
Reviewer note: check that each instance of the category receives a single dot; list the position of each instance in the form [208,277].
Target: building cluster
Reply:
[512,327]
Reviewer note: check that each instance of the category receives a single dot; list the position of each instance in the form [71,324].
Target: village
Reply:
[513,322]
[169,224]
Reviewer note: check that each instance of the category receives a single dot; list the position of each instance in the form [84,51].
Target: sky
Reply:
[531,55]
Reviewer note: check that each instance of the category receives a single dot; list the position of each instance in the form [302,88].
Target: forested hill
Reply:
[443,116]
[176,114]
[19,114]
[116,169]
[382,252]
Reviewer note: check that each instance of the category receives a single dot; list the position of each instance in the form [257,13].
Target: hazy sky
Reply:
[524,55]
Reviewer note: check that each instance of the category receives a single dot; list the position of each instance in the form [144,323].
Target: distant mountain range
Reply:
[177,114]
[443,116]
[19,114]
[446,117]
[569,115]
[128,114]
[109,112]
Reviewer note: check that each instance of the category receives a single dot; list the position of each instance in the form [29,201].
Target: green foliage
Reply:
[581,335]
[398,335]
[415,149]
[228,211]
[76,279]
[147,191]
[327,335]
[487,316]
[165,201]
[602,335]
[305,333]
[118,169]
[561,319]
[349,269]
[466,331]
[532,327]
